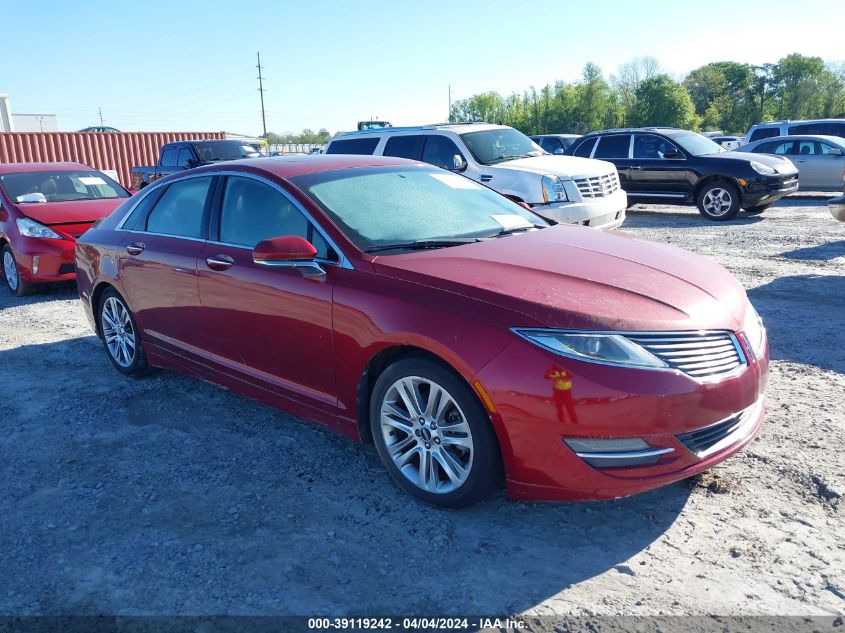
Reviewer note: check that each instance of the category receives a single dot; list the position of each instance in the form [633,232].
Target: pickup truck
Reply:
[181,155]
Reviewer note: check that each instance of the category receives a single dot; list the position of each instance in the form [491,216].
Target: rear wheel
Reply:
[120,335]
[718,200]
[12,275]
[757,210]
[432,434]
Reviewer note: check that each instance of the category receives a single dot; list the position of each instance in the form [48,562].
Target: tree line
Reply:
[726,96]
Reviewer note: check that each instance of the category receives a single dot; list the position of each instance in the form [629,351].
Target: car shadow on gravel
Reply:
[805,318]
[48,292]
[170,496]
[642,216]
[820,252]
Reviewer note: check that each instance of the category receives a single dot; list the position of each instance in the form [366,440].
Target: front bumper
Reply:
[602,213]
[533,418]
[768,189]
[43,260]
[837,208]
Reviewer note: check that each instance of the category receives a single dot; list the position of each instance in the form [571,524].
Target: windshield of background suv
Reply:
[213,151]
[496,146]
[380,206]
[61,186]
[696,144]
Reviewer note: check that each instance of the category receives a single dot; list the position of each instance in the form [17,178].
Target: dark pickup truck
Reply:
[181,155]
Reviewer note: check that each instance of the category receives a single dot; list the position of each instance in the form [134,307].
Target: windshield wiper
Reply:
[423,244]
[515,229]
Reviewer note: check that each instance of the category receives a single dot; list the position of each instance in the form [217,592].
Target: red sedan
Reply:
[408,306]
[44,207]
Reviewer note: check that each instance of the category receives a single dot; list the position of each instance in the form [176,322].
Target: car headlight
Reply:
[612,349]
[553,189]
[754,330]
[31,228]
[760,168]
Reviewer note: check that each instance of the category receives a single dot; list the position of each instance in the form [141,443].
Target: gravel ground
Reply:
[171,496]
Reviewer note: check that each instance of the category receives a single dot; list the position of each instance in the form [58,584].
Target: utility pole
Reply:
[261,92]
[101,115]
[450,104]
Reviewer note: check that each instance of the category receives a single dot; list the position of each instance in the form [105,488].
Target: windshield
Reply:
[382,206]
[213,151]
[499,145]
[61,186]
[696,144]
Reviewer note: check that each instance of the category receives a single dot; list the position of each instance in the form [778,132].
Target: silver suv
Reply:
[562,188]
[824,127]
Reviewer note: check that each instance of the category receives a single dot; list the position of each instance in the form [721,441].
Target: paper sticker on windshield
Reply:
[91,181]
[511,221]
[455,181]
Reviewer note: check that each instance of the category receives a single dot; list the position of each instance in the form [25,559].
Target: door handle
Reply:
[801,161]
[219,262]
[637,167]
[135,249]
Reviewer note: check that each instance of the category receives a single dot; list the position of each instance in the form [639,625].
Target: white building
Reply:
[24,122]
[5,114]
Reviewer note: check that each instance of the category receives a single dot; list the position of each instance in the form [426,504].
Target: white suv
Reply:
[562,188]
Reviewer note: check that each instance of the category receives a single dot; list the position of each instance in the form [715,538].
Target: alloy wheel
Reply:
[426,434]
[11,270]
[717,201]
[118,332]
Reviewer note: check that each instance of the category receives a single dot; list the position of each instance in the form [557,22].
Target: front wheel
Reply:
[718,201]
[120,335]
[12,275]
[757,210]
[432,434]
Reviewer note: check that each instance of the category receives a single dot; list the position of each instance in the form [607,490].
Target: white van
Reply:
[815,127]
[562,188]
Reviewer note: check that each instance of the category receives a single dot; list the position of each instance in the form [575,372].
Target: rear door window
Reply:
[181,209]
[764,132]
[440,151]
[585,148]
[551,144]
[404,147]
[168,157]
[613,146]
[362,146]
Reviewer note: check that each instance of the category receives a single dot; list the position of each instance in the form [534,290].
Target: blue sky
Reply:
[191,65]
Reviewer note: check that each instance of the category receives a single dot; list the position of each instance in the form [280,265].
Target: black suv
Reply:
[667,165]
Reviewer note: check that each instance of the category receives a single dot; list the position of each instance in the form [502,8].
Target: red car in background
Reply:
[44,207]
[406,305]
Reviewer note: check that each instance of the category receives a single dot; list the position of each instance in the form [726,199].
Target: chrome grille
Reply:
[598,186]
[705,355]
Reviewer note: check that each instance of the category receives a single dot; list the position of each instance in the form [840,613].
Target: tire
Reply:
[11,274]
[120,335]
[718,200]
[454,445]
[758,209]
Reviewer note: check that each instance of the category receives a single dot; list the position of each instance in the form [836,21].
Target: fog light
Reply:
[35,265]
[615,453]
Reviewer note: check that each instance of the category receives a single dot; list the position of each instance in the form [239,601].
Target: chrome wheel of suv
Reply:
[718,201]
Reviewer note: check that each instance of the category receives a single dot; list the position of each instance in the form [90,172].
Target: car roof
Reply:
[790,121]
[630,130]
[801,137]
[457,128]
[301,164]
[24,168]
[555,136]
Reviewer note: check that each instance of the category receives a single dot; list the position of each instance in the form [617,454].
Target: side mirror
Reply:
[671,152]
[190,163]
[32,197]
[559,151]
[289,251]
[458,163]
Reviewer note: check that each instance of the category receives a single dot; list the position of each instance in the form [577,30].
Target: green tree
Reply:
[662,101]
[804,89]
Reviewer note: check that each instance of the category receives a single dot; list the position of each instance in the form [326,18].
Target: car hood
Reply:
[581,278]
[71,212]
[779,163]
[563,166]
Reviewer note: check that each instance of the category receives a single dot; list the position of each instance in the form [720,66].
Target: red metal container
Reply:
[118,151]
